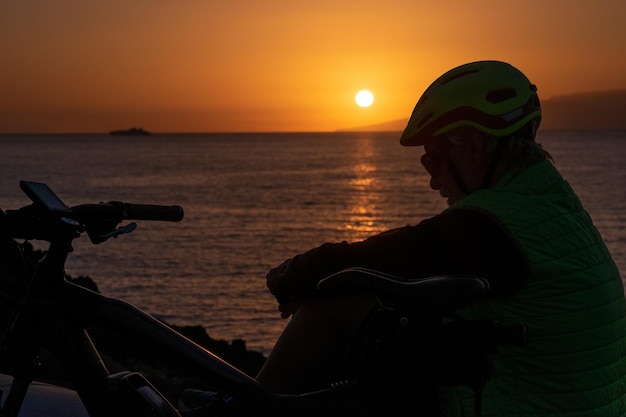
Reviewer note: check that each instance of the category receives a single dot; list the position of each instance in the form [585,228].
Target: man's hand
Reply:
[287,310]
[275,277]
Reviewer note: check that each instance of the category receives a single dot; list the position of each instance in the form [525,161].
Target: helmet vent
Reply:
[497,96]
[459,75]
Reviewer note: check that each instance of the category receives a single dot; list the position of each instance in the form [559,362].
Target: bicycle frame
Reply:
[55,314]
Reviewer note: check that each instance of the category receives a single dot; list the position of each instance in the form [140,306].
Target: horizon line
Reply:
[279,132]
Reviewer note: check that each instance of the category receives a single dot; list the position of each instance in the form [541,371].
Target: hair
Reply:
[518,150]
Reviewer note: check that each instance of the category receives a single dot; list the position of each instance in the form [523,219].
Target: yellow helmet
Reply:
[491,96]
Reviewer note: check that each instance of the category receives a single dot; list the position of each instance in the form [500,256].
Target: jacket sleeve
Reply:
[460,241]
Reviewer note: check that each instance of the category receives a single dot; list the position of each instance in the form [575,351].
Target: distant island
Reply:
[130,132]
[599,110]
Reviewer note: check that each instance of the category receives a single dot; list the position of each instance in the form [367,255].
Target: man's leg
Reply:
[312,346]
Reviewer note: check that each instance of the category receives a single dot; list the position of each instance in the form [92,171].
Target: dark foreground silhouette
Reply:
[121,352]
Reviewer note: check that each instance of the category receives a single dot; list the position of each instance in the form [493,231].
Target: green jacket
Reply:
[572,304]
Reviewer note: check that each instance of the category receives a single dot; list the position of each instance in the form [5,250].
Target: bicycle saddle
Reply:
[442,292]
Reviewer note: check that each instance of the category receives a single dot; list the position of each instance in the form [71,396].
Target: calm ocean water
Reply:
[253,200]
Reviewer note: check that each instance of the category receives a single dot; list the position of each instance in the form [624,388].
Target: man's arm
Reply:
[460,241]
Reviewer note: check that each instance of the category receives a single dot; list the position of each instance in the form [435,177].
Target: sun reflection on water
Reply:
[363,206]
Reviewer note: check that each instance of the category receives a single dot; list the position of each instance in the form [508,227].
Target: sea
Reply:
[252,200]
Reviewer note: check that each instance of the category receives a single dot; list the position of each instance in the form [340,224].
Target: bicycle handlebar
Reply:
[100,220]
[49,219]
[128,211]
[153,212]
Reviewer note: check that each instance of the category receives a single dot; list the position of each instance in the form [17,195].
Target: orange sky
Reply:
[280,65]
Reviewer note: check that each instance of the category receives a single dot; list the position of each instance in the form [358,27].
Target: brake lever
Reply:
[116,232]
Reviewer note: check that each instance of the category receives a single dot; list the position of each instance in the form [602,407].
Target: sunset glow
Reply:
[280,66]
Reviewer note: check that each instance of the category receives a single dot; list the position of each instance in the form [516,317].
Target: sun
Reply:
[364,98]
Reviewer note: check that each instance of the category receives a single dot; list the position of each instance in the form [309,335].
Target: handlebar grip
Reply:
[153,212]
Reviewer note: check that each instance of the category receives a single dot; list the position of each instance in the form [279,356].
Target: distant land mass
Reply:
[600,110]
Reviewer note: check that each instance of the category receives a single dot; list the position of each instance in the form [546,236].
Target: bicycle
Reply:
[42,312]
